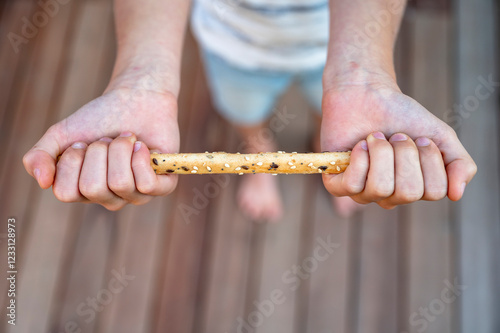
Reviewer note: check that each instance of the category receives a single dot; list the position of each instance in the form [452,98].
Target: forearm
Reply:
[362,37]
[150,36]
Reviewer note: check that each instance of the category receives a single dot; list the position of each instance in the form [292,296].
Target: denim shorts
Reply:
[247,97]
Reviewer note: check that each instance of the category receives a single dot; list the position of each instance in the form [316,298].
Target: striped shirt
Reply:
[288,35]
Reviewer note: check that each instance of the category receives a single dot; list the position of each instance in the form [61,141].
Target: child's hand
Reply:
[421,159]
[102,160]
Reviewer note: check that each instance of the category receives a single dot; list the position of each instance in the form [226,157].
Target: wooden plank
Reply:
[95,230]
[404,59]
[32,116]
[34,106]
[85,272]
[39,268]
[224,277]
[280,255]
[13,63]
[32,295]
[378,271]
[179,286]
[137,249]
[328,286]
[428,222]
[478,213]
[281,241]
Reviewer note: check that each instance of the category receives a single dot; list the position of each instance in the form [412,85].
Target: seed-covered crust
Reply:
[274,163]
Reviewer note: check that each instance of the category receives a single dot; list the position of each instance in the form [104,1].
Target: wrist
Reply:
[154,72]
[359,71]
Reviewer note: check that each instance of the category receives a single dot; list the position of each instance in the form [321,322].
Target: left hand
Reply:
[421,159]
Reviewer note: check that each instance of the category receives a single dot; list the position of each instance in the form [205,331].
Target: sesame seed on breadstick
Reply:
[274,163]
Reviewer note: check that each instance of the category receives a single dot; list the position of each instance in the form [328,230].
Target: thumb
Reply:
[40,161]
[460,166]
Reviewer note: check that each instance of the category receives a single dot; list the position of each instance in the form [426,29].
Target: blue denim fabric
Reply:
[247,97]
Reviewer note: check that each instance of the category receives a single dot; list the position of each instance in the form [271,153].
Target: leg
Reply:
[258,194]
[311,84]
[246,98]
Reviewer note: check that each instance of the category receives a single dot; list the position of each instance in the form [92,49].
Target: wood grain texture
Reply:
[208,275]
[429,225]
[478,215]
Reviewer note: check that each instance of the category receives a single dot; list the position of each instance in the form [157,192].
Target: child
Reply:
[339,51]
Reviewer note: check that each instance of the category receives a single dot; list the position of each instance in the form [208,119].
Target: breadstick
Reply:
[274,163]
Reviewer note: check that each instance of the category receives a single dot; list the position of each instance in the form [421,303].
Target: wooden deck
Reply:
[217,271]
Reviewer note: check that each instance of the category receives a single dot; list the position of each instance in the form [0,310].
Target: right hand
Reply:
[100,165]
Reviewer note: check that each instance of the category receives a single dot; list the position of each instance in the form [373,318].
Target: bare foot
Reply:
[344,206]
[259,197]
[258,194]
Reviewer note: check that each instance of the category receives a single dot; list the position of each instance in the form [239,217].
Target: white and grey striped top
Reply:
[289,35]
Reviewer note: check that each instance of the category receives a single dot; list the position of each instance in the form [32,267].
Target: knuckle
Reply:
[329,187]
[119,186]
[450,132]
[114,206]
[26,160]
[91,190]
[410,192]
[353,188]
[387,206]
[142,201]
[383,191]
[53,129]
[410,196]
[472,169]
[146,188]
[64,195]
[435,194]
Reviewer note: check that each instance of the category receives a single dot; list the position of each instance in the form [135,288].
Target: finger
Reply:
[380,180]
[146,180]
[40,161]
[93,182]
[409,181]
[352,180]
[68,172]
[459,165]
[120,176]
[434,172]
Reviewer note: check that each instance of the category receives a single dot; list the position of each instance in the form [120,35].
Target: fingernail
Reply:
[364,145]
[137,146]
[422,142]
[126,134]
[379,135]
[462,188]
[106,139]
[78,145]
[36,173]
[398,137]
